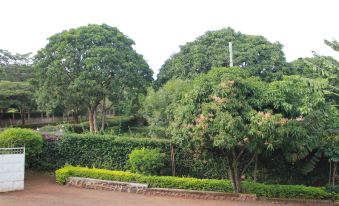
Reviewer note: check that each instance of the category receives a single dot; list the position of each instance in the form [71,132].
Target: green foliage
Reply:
[119,124]
[103,151]
[256,53]
[262,190]
[241,116]
[153,181]
[146,161]
[16,137]
[16,95]
[286,191]
[80,67]
[158,106]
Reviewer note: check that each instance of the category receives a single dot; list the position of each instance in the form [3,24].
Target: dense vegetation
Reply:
[256,53]
[262,190]
[263,120]
[31,140]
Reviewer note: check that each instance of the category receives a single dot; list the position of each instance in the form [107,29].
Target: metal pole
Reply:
[231,53]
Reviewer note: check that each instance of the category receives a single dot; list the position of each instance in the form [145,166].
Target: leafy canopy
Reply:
[83,66]
[256,53]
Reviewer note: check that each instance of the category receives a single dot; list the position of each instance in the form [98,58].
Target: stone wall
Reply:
[137,188]
[96,184]
[206,195]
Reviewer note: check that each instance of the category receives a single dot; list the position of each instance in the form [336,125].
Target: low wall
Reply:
[12,169]
[206,195]
[137,188]
[96,184]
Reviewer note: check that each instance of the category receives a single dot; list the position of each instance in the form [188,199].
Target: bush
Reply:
[104,151]
[146,161]
[17,137]
[261,190]
[111,152]
[286,191]
[152,181]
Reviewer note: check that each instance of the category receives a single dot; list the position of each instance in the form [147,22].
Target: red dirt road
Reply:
[41,190]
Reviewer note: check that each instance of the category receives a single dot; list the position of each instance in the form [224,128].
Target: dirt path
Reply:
[42,190]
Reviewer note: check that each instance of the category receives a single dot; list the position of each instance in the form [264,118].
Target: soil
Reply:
[41,189]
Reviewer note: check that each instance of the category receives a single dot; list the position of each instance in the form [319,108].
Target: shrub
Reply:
[261,190]
[111,152]
[146,161]
[17,137]
[286,191]
[152,181]
[104,151]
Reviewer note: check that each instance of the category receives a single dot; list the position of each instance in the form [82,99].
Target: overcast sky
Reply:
[158,27]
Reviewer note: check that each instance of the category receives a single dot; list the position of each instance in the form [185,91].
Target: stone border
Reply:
[138,188]
[305,202]
[206,195]
[97,184]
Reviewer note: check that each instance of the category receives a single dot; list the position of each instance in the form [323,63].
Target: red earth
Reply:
[40,189]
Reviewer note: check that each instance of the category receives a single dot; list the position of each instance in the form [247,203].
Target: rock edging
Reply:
[138,188]
[97,184]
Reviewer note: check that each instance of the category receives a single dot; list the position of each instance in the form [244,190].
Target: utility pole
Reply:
[231,53]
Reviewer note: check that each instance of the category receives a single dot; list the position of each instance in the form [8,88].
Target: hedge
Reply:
[286,191]
[19,137]
[111,152]
[101,151]
[153,181]
[261,190]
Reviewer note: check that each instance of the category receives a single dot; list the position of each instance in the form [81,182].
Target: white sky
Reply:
[159,26]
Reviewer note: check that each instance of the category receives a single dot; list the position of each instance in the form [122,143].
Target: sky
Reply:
[158,27]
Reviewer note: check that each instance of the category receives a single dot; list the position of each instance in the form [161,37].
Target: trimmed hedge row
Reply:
[262,190]
[153,181]
[101,151]
[111,152]
[286,191]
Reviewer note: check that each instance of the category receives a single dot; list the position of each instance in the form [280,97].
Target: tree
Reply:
[324,71]
[159,106]
[241,116]
[321,67]
[17,95]
[262,57]
[84,66]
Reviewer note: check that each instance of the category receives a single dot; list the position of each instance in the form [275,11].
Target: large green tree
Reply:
[15,67]
[241,116]
[84,66]
[256,53]
[18,95]
[15,90]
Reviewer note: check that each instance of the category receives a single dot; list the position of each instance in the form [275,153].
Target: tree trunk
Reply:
[76,118]
[13,118]
[103,117]
[233,172]
[330,173]
[90,120]
[255,168]
[95,120]
[334,173]
[22,115]
[172,159]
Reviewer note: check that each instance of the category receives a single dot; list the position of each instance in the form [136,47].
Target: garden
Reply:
[265,126]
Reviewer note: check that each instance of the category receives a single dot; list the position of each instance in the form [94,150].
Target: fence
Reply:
[12,169]
[31,121]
